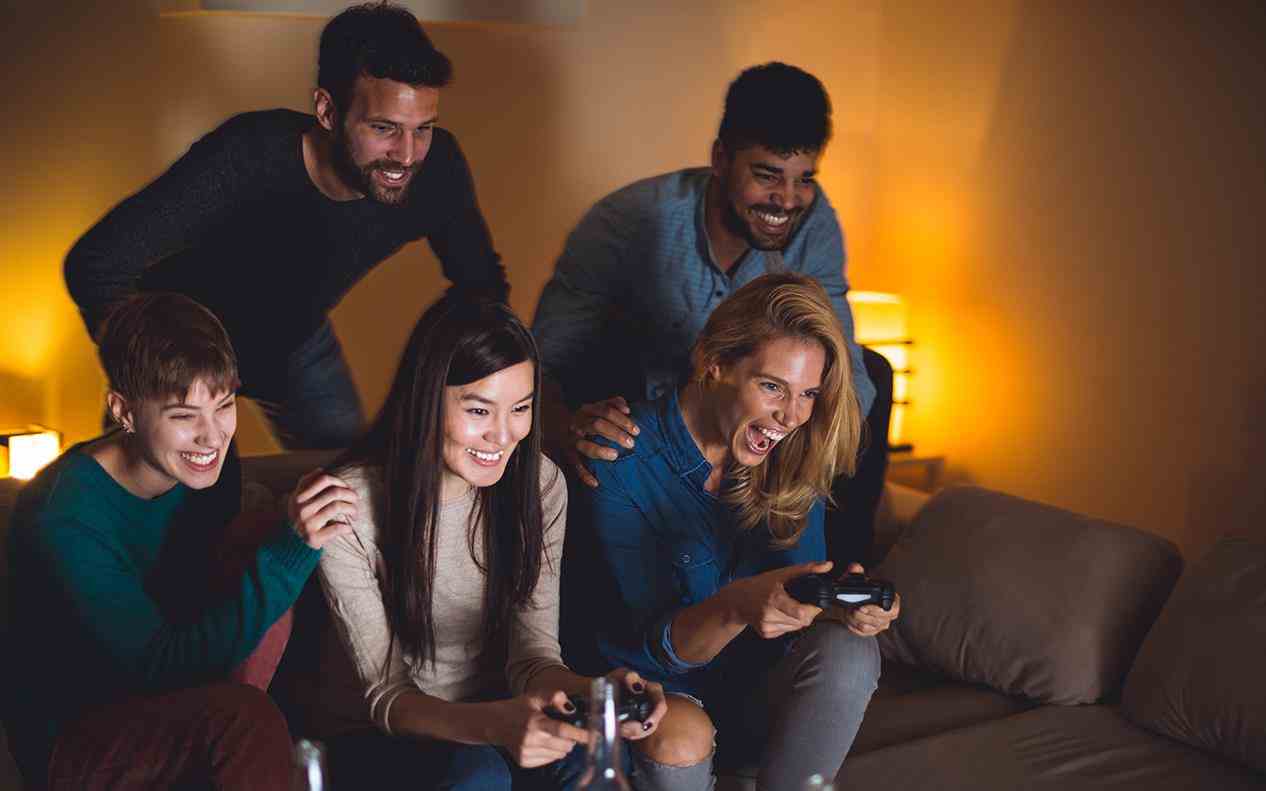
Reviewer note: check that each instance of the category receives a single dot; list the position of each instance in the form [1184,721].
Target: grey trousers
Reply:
[801,717]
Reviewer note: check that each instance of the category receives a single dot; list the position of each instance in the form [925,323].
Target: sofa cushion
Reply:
[1051,748]
[1200,676]
[895,717]
[1022,597]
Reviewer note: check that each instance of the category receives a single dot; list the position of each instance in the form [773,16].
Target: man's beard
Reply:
[741,226]
[361,177]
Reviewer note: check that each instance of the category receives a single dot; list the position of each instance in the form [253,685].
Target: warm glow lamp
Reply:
[879,320]
[24,451]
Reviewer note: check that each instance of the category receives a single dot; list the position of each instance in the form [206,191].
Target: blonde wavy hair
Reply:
[799,471]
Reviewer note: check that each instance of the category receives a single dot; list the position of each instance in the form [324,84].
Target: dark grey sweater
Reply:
[237,224]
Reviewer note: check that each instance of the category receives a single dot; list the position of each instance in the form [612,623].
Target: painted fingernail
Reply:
[646,726]
[636,431]
[638,686]
[628,443]
[568,707]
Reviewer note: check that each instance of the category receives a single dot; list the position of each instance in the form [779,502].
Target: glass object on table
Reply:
[310,773]
[602,767]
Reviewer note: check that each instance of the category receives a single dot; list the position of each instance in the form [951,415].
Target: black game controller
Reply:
[629,706]
[851,590]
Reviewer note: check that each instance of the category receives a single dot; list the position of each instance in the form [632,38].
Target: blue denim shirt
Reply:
[649,542]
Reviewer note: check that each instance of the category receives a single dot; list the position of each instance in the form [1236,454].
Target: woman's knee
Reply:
[685,737]
[838,660]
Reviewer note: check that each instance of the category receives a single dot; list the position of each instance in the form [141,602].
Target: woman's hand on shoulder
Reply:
[626,679]
[521,726]
[321,508]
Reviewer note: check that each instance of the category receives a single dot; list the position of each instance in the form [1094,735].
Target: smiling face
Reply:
[767,395]
[183,439]
[765,194]
[383,137]
[484,422]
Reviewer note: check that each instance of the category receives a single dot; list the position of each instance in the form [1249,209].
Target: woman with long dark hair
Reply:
[445,596]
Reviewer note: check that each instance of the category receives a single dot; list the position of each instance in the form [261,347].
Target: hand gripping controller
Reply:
[629,706]
[851,590]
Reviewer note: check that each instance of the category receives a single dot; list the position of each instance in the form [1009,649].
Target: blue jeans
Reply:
[315,405]
[372,759]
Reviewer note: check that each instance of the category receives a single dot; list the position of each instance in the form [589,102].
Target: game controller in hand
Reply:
[630,706]
[851,590]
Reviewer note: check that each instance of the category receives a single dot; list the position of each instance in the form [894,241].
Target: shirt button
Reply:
[684,558]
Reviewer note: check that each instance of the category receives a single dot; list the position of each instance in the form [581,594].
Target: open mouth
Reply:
[761,440]
[486,458]
[201,462]
[393,177]
[772,223]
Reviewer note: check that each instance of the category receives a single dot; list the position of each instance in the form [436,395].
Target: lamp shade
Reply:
[25,451]
[880,324]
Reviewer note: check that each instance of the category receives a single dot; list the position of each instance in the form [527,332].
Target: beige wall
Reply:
[1067,195]
[1072,196]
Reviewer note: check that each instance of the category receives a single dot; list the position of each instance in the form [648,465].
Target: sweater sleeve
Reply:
[349,578]
[534,643]
[462,240]
[182,206]
[108,598]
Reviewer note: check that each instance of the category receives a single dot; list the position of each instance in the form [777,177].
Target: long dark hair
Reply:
[458,340]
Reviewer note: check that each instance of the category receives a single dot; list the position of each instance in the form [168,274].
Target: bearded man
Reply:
[641,273]
[272,217]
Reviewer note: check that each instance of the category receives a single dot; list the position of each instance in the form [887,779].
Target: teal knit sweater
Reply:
[96,617]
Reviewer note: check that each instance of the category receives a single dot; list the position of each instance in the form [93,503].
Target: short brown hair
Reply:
[156,345]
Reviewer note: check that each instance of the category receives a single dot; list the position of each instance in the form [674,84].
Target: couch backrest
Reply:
[1023,597]
[1200,676]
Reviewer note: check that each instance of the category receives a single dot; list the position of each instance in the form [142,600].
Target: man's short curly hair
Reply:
[379,40]
[780,107]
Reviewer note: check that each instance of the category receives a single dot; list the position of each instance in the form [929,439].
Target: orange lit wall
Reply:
[1068,197]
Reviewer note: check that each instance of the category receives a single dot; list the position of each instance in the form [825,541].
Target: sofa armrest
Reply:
[897,508]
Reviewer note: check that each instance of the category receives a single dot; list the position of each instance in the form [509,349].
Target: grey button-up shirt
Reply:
[637,281]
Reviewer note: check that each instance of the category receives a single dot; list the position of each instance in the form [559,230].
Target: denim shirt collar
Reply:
[682,453]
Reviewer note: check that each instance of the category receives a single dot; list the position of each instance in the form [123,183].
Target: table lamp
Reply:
[880,324]
[24,451]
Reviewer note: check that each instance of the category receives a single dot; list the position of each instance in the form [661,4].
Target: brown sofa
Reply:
[1016,663]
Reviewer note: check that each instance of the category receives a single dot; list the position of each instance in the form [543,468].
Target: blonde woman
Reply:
[683,550]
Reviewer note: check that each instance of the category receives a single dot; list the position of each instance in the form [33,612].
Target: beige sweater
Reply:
[360,681]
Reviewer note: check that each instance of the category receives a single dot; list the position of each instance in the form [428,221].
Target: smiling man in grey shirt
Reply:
[645,267]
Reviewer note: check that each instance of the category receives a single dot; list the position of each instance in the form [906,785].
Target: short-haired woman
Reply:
[120,657]
[683,550]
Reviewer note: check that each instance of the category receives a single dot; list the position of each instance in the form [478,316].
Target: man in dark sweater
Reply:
[271,218]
